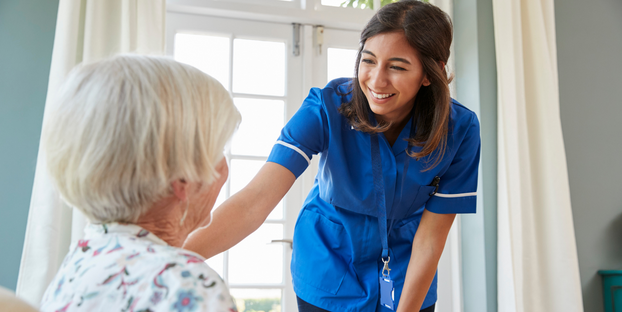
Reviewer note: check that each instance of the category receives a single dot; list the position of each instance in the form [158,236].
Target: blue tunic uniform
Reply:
[336,259]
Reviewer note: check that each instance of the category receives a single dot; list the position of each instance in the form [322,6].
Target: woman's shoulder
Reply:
[327,100]
[462,117]
[340,84]
[341,87]
[116,268]
[335,92]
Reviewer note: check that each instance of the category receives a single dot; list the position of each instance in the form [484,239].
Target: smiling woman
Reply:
[414,49]
[390,75]
[370,233]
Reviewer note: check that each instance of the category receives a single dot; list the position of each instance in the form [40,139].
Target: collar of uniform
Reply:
[401,143]
[123,229]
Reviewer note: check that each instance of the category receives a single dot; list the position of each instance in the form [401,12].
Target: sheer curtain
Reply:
[86,31]
[538,268]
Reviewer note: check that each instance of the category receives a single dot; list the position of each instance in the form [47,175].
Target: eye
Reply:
[367,61]
[397,68]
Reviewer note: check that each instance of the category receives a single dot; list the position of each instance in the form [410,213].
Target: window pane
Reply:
[247,300]
[262,121]
[259,67]
[207,53]
[222,196]
[242,172]
[257,261]
[216,262]
[341,63]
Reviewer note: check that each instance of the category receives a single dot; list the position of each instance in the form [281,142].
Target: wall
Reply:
[589,50]
[26,39]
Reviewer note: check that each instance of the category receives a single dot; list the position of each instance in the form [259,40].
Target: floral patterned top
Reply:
[125,268]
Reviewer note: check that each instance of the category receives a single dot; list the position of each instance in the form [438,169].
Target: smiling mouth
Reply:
[381,96]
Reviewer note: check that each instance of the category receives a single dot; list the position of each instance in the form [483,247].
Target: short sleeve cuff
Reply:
[447,205]
[290,157]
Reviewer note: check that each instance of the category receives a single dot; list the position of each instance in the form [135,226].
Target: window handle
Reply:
[284,241]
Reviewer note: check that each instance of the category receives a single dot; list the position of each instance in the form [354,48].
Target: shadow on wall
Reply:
[614,233]
[593,288]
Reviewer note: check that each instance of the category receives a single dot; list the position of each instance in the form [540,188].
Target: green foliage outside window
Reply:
[365,4]
[259,305]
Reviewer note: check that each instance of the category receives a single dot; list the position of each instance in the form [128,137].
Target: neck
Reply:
[395,129]
[163,220]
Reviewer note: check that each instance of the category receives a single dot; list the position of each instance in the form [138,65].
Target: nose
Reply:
[379,78]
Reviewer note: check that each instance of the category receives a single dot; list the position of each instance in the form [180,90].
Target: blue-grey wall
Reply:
[589,57]
[26,39]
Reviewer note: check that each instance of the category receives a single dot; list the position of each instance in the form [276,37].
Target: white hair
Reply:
[122,129]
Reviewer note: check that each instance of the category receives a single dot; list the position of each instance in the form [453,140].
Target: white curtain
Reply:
[538,268]
[86,31]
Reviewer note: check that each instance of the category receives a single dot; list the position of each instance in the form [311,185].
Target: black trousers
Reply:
[304,306]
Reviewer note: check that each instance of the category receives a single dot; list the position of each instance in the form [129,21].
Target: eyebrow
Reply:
[398,59]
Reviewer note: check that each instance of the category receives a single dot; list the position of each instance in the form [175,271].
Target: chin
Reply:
[376,109]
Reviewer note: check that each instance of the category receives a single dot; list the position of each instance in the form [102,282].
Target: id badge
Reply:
[386,292]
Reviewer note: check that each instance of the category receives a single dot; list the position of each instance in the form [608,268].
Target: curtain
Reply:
[538,269]
[86,31]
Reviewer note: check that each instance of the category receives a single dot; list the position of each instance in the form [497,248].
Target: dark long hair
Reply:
[429,31]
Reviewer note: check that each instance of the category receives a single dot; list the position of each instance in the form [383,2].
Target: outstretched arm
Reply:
[243,212]
[426,251]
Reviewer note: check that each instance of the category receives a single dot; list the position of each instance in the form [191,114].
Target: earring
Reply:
[183,217]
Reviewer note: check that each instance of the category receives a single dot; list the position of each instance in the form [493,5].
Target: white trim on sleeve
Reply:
[456,195]
[295,149]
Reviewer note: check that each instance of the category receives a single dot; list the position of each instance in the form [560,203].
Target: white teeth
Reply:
[381,96]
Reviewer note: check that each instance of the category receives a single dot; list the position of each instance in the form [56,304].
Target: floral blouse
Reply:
[125,268]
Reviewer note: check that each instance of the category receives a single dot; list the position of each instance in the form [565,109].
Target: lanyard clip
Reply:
[386,267]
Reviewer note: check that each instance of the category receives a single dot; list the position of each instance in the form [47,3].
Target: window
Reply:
[252,60]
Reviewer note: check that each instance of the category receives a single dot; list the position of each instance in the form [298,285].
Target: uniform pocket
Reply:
[319,249]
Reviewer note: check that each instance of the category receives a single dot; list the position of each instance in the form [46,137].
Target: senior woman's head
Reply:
[138,138]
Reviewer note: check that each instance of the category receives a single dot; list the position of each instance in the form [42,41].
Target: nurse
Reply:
[398,159]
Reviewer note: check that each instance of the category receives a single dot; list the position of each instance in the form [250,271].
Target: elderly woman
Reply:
[136,144]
